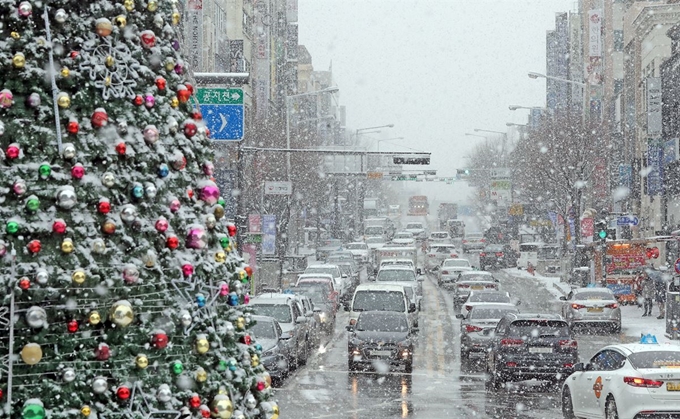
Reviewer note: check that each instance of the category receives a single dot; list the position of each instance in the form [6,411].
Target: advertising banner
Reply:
[625,175]
[269,234]
[670,151]
[254,224]
[654,106]
[655,168]
[587,230]
[261,82]
[194,34]
[594,33]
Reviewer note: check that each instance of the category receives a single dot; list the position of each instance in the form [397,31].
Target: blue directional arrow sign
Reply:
[222,111]
[627,220]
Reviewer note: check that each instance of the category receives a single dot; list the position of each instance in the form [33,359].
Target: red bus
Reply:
[417,205]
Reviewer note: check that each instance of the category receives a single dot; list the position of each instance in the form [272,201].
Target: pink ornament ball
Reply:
[187,269]
[208,168]
[210,194]
[224,289]
[196,238]
[6,98]
[175,205]
[161,225]
[149,101]
[78,171]
[246,299]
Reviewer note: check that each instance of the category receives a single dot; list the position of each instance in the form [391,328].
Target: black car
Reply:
[275,350]
[530,346]
[380,336]
[323,306]
[496,256]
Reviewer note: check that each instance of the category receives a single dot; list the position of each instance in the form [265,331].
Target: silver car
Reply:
[473,281]
[437,253]
[450,270]
[592,307]
[476,327]
[473,241]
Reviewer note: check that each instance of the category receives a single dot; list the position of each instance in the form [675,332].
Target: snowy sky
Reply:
[435,68]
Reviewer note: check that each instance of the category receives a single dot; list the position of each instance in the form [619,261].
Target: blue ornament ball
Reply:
[163,170]
[233,299]
[137,191]
[200,300]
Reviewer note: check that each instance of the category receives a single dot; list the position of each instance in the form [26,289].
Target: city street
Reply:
[437,387]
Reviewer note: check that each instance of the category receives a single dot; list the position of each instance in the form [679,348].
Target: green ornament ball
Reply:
[33,204]
[33,411]
[177,368]
[224,242]
[45,170]
[222,366]
[12,227]
[222,202]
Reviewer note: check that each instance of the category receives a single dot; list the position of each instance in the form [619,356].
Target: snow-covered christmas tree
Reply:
[121,291]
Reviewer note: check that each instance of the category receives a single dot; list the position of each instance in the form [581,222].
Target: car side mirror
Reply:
[460,316]
[344,276]
[489,332]
[588,367]
[518,303]
[412,308]
[285,336]
[345,306]
[419,271]
[349,328]
[579,366]
[301,319]
[563,298]
[421,278]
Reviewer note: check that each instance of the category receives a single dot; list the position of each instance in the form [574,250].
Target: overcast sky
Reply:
[435,68]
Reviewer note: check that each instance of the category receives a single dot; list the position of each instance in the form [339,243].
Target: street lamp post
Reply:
[388,139]
[534,75]
[361,130]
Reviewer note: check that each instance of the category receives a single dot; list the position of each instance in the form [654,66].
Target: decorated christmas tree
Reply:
[122,294]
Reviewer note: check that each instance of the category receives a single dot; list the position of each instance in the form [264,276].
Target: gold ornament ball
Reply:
[65,72]
[275,411]
[120,21]
[169,64]
[219,211]
[63,100]
[221,407]
[67,246]
[109,61]
[103,27]
[78,276]
[19,60]
[15,35]
[142,361]
[242,275]
[174,102]
[152,6]
[201,375]
[267,379]
[241,323]
[220,257]
[175,18]
[254,360]
[107,81]
[121,314]
[85,410]
[31,354]
[129,5]
[94,318]
[202,345]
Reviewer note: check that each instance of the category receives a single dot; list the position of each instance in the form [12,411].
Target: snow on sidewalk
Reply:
[632,322]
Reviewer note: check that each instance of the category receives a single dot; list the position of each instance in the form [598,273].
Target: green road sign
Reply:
[211,96]
[253,239]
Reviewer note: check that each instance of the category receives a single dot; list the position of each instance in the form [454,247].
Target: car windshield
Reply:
[473,236]
[403,236]
[395,275]
[317,294]
[414,226]
[375,322]
[356,246]
[443,249]
[493,248]
[439,235]
[593,295]
[375,240]
[373,230]
[478,313]
[655,359]
[460,263]
[325,287]
[488,297]
[280,312]
[263,330]
[322,270]
[378,301]
[346,269]
[539,328]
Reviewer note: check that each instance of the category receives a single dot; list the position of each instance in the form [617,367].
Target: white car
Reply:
[417,229]
[450,269]
[340,280]
[439,252]
[375,243]
[473,281]
[637,380]
[404,238]
[398,262]
[481,298]
[400,275]
[359,251]
[439,237]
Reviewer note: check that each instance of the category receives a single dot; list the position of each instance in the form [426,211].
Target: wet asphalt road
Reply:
[438,387]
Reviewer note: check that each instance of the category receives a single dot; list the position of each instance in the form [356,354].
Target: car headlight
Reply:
[323,317]
[271,351]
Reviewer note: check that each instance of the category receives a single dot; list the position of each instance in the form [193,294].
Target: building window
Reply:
[618,40]
[247,24]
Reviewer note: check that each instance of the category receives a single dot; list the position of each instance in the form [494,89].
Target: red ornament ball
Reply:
[189,87]
[121,148]
[246,339]
[190,193]
[78,171]
[73,54]
[109,227]
[190,129]
[172,242]
[207,132]
[13,152]
[104,207]
[159,340]
[139,100]
[99,118]
[103,352]
[205,412]
[195,401]
[1,393]
[123,393]
[161,84]
[72,127]
[24,284]
[148,39]
[34,246]
[72,326]
[249,270]
[197,116]
[59,227]
[183,94]
[231,229]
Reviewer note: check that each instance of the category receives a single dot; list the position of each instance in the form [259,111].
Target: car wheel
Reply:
[610,411]
[351,365]
[305,352]
[567,404]
[617,328]
[408,367]
[493,382]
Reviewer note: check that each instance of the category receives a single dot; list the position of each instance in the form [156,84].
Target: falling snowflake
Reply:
[112,68]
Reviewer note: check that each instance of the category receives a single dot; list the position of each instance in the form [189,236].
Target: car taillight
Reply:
[642,382]
[490,286]
[470,328]
[352,322]
[468,308]
[431,255]
[464,241]
[463,286]
[577,306]
[482,254]
[482,240]
[511,364]
[568,343]
[445,272]
[499,254]
[512,342]
[453,255]
[612,305]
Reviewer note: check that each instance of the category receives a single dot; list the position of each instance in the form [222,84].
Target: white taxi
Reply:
[638,380]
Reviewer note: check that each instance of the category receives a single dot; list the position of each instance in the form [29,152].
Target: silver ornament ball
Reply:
[60,16]
[69,375]
[2,128]
[98,246]
[164,393]
[69,151]
[150,190]
[108,179]
[99,385]
[41,277]
[151,134]
[210,221]
[33,100]
[66,197]
[128,213]
[230,330]
[251,403]
[36,317]
[185,318]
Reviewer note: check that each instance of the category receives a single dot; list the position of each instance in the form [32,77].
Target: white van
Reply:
[379,297]
[528,253]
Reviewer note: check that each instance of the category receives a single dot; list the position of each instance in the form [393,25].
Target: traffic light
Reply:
[463,172]
[411,159]
[601,229]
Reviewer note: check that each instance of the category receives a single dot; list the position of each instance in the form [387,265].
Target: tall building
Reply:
[558,94]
